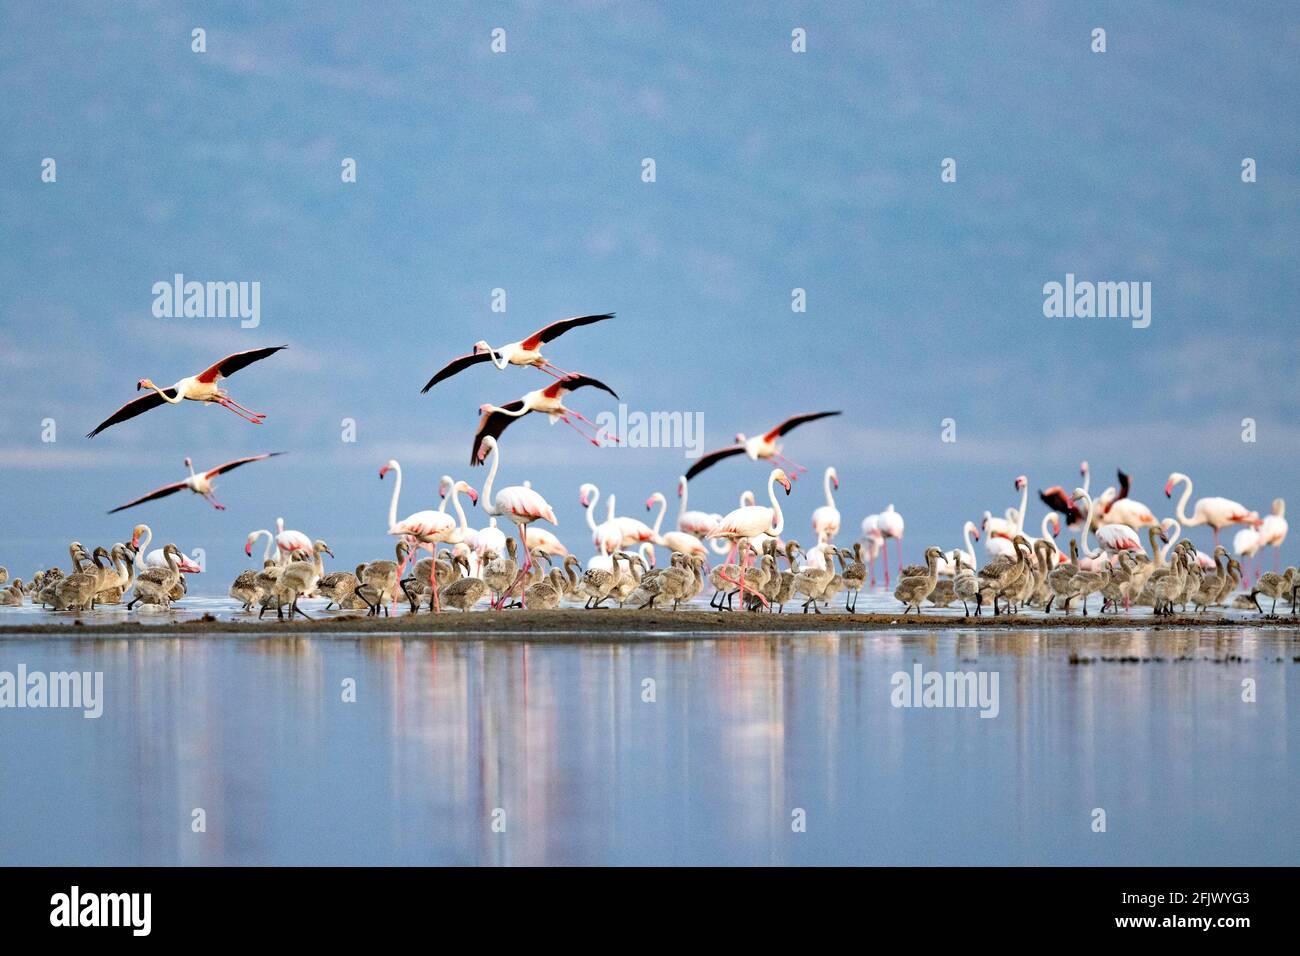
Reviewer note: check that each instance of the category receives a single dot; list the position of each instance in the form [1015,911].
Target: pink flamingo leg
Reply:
[433,582]
[899,549]
[884,561]
[553,368]
[1216,537]
[597,429]
[225,403]
[528,564]
[242,408]
[214,502]
[568,421]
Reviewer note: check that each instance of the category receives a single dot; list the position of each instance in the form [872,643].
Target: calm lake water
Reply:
[555,741]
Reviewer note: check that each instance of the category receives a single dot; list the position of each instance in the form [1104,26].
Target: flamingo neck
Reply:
[1046,520]
[489,506]
[826,487]
[1087,527]
[1024,503]
[663,507]
[779,524]
[681,506]
[460,512]
[1181,510]
[970,545]
[143,549]
[397,491]
[1169,545]
[591,508]
[180,397]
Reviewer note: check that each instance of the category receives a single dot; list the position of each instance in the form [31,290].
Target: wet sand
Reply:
[622,625]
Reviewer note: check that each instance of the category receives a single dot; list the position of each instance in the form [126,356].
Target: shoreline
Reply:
[614,626]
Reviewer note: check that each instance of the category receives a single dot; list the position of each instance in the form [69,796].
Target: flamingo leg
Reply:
[884,551]
[241,407]
[552,368]
[214,502]
[433,583]
[226,403]
[568,421]
[583,418]
[528,564]
[899,549]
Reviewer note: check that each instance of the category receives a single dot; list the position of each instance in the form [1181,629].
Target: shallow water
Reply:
[555,742]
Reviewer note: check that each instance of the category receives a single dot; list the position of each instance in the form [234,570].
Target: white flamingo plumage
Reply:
[751,521]
[826,518]
[1218,513]
[698,523]
[517,504]
[891,526]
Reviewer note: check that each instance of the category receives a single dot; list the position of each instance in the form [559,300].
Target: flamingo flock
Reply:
[1118,548]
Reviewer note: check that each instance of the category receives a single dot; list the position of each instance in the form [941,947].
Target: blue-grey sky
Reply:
[522,170]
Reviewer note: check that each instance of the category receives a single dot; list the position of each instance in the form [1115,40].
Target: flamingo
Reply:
[524,352]
[826,519]
[1273,529]
[289,541]
[751,521]
[607,536]
[698,523]
[427,528]
[1247,543]
[891,526]
[673,540]
[549,401]
[760,446]
[197,388]
[875,542]
[1057,500]
[1218,513]
[517,504]
[146,559]
[1113,538]
[200,484]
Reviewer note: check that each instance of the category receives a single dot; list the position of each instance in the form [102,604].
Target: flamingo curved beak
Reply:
[582,499]
[835,483]
[248,549]
[785,483]
[473,496]
[383,471]
[977,535]
[649,503]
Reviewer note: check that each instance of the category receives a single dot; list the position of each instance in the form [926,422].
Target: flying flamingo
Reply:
[549,401]
[200,484]
[1218,513]
[524,352]
[760,446]
[826,519]
[751,521]
[1273,529]
[197,388]
[515,503]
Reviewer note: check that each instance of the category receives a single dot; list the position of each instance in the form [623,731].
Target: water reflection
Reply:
[668,751]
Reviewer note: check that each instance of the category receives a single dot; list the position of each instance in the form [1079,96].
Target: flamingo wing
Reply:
[556,329]
[573,382]
[1057,500]
[712,458]
[458,364]
[162,492]
[493,423]
[794,422]
[231,364]
[1123,485]
[137,406]
[232,465]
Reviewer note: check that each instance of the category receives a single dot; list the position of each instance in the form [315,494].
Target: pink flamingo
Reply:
[1273,529]
[200,484]
[548,401]
[760,446]
[1218,513]
[524,352]
[751,521]
[197,388]
[515,503]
